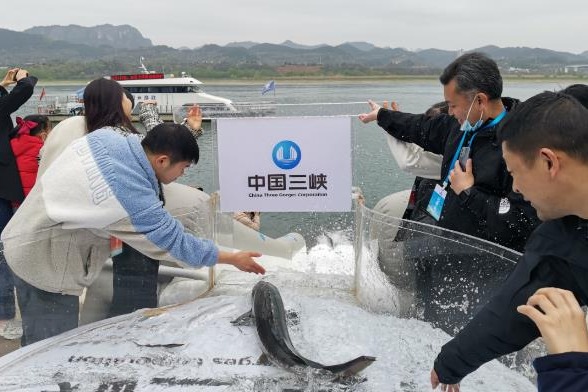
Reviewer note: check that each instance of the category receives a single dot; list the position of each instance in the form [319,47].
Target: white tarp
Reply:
[195,346]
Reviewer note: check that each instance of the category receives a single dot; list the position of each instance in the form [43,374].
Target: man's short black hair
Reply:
[578,91]
[548,120]
[474,72]
[174,140]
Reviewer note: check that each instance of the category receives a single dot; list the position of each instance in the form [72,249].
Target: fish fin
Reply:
[264,360]
[246,319]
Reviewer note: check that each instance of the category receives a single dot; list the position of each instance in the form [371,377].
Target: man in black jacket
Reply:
[10,186]
[545,145]
[10,102]
[477,198]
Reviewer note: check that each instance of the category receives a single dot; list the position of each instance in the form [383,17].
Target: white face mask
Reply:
[467,126]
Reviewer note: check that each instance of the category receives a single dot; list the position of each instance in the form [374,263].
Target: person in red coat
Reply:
[26,143]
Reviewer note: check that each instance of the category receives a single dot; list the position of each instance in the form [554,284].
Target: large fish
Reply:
[269,317]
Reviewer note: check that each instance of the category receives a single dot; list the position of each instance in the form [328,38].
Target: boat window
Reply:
[135,90]
[163,89]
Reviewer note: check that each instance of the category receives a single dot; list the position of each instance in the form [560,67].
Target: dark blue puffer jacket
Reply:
[562,372]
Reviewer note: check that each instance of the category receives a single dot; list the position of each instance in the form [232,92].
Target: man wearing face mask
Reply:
[474,195]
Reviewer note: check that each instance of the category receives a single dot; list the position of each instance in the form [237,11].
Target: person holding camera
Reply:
[10,185]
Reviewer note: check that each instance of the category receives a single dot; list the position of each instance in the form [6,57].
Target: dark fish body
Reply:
[269,317]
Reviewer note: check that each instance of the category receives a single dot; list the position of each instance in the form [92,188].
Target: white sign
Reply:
[285,164]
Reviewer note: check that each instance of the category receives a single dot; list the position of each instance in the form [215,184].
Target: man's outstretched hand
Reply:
[371,116]
[242,260]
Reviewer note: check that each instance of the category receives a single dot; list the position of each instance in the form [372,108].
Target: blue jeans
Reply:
[7,307]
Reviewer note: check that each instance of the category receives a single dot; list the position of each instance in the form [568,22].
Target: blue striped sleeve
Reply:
[125,167]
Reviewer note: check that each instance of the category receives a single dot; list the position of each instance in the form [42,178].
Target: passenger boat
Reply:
[173,95]
[172,92]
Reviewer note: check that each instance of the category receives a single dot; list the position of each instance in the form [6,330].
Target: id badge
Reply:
[116,246]
[436,203]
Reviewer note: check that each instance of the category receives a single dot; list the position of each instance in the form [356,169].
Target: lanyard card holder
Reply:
[436,202]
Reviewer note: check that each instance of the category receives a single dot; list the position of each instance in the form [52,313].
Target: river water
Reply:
[374,170]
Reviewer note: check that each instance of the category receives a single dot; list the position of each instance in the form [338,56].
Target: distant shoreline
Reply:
[335,79]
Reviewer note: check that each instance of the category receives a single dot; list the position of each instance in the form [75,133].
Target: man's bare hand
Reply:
[444,387]
[371,116]
[461,179]
[242,260]
[10,77]
[21,73]
[195,117]
[560,319]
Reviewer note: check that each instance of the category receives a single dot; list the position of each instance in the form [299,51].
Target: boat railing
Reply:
[216,110]
[71,105]
[256,109]
[51,105]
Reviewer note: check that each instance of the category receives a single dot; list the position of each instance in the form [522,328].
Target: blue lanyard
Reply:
[456,155]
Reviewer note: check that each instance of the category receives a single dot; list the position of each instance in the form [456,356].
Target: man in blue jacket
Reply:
[105,184]
[545,146]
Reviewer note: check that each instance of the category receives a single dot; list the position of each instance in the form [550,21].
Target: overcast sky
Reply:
[413,24]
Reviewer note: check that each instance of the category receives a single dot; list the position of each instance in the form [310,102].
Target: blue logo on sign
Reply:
[286,154]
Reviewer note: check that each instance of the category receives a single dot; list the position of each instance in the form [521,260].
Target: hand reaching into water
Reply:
[444,387]
[242,260]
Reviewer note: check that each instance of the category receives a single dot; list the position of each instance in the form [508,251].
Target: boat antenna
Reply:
[142,67]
